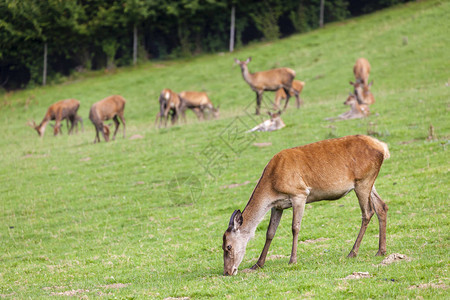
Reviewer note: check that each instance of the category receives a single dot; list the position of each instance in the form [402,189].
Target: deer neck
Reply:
[253,214]
[248,77]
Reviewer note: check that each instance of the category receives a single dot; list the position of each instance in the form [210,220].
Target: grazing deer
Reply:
[64,109]
[325,170]
[297,85]
[169,103]
[271,80]
[357,111]
[361,70]
[198,102]
[274,123]
[111,107]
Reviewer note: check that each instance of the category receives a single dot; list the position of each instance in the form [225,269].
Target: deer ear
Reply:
[248,60]
[352,83]
[236,220]
[370,84]
[237,61]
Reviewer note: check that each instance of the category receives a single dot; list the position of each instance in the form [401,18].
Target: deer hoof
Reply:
[351,254]
[293,261]
[250,270]
[380,253]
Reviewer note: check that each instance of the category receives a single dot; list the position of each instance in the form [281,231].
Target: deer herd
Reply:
[325,170]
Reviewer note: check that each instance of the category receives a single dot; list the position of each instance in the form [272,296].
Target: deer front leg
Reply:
[298,208]
[275,218]
[258,101]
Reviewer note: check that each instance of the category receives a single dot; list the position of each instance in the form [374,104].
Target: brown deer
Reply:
[361,70]
[64,109]
[169,105]
[325,170]
[271,80]
[274,123]
[297,85]
[357,111]
[198,102]
[111,107]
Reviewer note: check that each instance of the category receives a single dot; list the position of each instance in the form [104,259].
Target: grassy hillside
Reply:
[108,219]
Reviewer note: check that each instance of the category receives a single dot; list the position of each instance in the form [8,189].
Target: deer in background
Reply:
[64,109]
[325,170]
[361,70]
[297,85]
[169,103]
[274,123]
[357,111]
[198,102]
[111,107]
[271,80]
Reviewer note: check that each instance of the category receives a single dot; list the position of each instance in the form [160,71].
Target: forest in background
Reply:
[43,41]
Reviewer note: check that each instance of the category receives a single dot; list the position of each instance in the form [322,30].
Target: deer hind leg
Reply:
[117,124]
[275,218]
[381,210]
[288,95]
[298,207]
[122,119]
[362,191]
[72,124]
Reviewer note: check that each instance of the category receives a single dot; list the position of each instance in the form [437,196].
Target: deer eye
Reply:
[229,247]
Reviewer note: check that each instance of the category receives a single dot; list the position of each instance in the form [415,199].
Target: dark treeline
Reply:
[53,38]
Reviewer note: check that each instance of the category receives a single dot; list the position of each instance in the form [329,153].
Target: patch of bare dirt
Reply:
[115,285]
[358,275]
[85,159]
[394,257]
[234,185]
[266,144]
[441,285]
[314,241]
[7,295]
[71,293]
[177,298]
[136,137]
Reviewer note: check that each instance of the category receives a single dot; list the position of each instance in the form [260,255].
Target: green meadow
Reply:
[143,217]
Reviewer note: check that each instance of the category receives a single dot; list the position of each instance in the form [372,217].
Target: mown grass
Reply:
[105,220]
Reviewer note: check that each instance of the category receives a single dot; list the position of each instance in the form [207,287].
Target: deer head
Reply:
[234,244]
[36,127]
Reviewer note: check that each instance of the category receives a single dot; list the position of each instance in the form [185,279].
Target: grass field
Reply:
[109,220]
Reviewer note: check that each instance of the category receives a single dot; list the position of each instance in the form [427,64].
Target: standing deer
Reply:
[325,170]
[357,111]
[361,70]
[271,80]
[111,107]
[274,123]
[169,103]
[64,109]
[297,85]
[198,102]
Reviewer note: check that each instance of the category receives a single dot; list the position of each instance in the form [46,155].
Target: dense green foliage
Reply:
[91,35]
[108,219]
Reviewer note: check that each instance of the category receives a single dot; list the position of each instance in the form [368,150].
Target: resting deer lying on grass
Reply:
[297,85]
[357,111]
[271,80]
[169,104]
[325,170]
[274,123]
[109,108]
[64,109]
[198,102]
